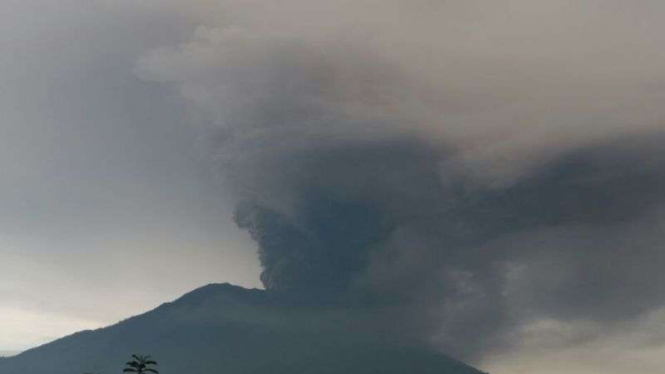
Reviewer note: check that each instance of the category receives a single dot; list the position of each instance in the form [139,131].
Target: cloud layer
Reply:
[490,171]
[489,165]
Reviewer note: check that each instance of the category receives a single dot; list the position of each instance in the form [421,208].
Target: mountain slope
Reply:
[228,329]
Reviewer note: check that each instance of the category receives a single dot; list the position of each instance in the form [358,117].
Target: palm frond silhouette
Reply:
[140,365]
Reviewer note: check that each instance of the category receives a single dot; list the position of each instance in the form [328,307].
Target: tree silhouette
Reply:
[140,365]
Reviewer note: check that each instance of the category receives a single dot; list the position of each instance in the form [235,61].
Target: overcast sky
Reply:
[107,209]
[116,195]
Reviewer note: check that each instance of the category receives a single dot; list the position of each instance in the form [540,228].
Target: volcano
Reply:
[221,328]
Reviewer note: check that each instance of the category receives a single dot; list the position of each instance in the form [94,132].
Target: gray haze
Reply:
[493,169]
[491,166]
[100,174]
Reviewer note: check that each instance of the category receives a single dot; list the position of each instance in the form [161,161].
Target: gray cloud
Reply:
[490,170]
[99,173]
[489,165]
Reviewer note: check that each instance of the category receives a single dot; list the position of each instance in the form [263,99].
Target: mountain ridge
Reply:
[226,328]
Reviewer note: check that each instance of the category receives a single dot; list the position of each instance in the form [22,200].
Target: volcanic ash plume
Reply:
[385,161]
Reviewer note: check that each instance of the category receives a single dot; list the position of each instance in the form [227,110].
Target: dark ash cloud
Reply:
[476,192]
[575,240]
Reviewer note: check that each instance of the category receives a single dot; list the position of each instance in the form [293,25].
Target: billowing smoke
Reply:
[435,157]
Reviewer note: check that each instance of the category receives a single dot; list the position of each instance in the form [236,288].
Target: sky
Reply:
[492,165]
[107,210]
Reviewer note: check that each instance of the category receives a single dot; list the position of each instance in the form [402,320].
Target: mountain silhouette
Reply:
[221,328]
